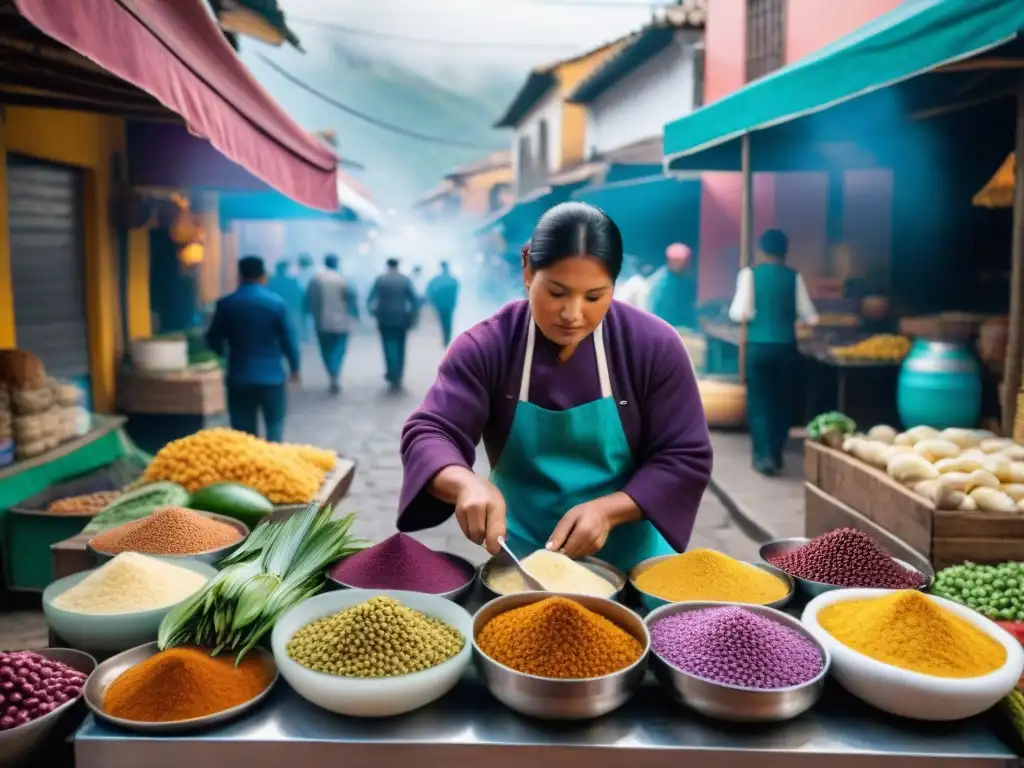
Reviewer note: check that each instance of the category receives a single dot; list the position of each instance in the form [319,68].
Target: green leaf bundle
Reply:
[278,566]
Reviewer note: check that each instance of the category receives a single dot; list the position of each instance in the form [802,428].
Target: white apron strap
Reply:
[602,362]
[599,353]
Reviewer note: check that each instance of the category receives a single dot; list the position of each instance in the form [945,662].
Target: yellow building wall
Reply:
[140,313]
[574,116]
[476,190]
[88,142]
[6,289]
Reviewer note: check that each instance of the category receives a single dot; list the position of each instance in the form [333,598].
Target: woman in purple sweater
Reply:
[588,410]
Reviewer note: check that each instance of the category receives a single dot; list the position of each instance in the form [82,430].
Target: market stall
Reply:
[330,662]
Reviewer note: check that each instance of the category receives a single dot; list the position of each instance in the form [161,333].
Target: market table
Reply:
[70,555]
[468,724]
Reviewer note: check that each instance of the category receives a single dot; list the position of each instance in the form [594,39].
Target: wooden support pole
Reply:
[746,235]
[1012,376]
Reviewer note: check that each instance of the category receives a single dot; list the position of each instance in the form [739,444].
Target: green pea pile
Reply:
[995,591]
[378,638]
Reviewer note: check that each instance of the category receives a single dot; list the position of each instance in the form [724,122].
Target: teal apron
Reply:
[554,460]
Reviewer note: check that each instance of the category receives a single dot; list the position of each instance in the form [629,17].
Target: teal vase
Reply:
[939,386]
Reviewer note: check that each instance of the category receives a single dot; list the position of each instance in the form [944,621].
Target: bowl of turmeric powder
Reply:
[915,655]
[560,656]
[706,574]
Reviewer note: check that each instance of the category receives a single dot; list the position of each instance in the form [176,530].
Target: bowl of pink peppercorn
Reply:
[36,689]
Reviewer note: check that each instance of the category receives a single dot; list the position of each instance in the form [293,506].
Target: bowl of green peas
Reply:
[995,591]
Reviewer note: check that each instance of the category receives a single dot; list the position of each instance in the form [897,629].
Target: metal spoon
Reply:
[531,582]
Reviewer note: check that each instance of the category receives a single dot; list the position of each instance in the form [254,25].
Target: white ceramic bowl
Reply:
[372,697]
[913,694]
[109,633]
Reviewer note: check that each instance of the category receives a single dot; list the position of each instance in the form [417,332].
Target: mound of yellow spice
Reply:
[285,474]
[704,574]
[558,638]
[909,630]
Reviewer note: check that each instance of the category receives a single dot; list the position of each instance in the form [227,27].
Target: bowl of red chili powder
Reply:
[400,562]
[843,559]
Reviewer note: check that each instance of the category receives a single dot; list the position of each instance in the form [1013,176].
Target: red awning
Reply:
[173,50]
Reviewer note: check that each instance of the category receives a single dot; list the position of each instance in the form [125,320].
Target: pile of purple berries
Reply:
[847,557]
[32,686]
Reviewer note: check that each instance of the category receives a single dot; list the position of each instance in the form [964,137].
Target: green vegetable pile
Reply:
[1013,706]
[995,591]
[137,504]
[277,567]
[831,422]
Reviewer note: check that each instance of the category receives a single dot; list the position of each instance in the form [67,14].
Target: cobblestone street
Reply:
[364,423]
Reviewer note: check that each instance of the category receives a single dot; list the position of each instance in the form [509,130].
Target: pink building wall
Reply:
[795,202]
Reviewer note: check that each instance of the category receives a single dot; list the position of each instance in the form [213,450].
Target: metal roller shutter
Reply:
[48,265]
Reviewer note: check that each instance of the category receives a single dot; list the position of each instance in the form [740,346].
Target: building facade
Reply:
[744,40]
[549,133]
[659,83]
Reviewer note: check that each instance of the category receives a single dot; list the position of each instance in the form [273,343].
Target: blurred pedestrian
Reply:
[252,327]
[304,273]
[285,285]
[635,290]
[419,283]
[674,288]
[331,302]
[393,301]
[770,298]
[443,293]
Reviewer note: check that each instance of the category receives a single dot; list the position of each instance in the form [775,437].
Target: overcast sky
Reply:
[536,31]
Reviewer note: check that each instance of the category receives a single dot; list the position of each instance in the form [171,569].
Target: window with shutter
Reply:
[766,37]
[48,265]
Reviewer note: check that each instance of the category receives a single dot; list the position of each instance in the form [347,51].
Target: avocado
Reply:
[232,500]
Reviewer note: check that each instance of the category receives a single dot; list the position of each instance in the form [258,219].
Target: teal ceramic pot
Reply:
[939,386]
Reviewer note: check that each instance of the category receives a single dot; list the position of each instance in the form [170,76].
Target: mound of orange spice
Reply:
[558,638]
[183,684]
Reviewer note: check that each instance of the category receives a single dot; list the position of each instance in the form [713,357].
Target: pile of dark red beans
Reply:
[847,558]
[32,686]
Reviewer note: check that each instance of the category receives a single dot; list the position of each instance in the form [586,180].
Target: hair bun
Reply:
[525,250]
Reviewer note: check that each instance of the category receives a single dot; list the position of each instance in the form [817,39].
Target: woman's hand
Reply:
[479,506]
[584,529]
[480,510]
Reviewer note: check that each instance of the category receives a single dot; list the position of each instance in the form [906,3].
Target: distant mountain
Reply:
[398,168]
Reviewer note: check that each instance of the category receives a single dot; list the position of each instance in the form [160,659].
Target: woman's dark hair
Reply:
[575,229]
[774,243]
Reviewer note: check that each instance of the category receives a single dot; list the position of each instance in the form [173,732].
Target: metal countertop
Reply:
[650,731]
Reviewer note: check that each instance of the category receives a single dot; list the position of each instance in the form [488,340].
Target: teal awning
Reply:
[271,206]
[516,221]
[912,39]
[652,212]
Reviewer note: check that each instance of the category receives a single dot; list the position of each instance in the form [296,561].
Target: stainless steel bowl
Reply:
[603,569]
[653,602]
[211,556]
[561,699]
[459,595]
[732,702]
[111,669]
[815,588]
[18,744]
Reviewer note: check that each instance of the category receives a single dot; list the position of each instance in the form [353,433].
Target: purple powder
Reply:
[401,562]
[735,646]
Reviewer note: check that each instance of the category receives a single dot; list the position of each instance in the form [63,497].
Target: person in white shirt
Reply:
[636,290]
[770,298]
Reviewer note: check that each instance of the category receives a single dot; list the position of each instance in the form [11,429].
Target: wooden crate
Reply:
[944,537]
[186,393]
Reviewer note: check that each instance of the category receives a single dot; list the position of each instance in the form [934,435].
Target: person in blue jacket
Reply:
[253,328]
